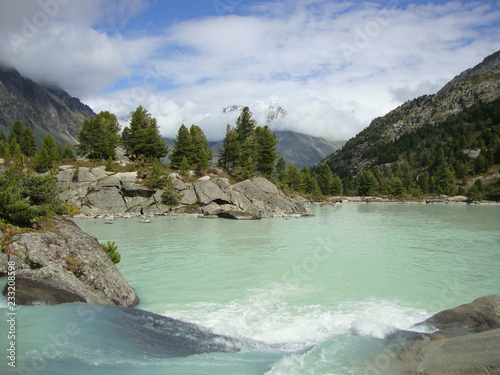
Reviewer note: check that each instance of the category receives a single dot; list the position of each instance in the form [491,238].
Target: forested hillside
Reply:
[446,143]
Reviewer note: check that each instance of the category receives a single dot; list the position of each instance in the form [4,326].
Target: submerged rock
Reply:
[65,264]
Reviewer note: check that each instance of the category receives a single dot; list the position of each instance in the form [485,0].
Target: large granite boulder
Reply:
[65,264]
[99,193]
[208,192]
[467,342]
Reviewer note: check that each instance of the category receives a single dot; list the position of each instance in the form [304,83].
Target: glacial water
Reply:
[315,295]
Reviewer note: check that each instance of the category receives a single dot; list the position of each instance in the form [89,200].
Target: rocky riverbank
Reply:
[443,199]
[97,193]
[467,341]
[62,264]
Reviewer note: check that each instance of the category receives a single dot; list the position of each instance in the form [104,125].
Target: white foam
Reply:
[270,316]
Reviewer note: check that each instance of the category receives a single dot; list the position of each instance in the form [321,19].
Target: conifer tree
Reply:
[367,183]
[202,162]
[142,137]
[15,149]
[336,187]
[16,132]
[99,136]
[28,142]
[46,157]
[229,154]
[200,142]
[265,149]
[294,179]
[183,148]
[184,167]
[281,170]
[325,179]
[245,125]
[246,163]
[3,138]
[68,152]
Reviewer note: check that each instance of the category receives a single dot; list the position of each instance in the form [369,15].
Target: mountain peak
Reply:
[271,110]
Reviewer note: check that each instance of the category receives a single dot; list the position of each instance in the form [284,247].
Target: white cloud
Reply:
[333,65]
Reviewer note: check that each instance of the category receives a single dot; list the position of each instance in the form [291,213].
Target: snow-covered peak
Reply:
[267,109]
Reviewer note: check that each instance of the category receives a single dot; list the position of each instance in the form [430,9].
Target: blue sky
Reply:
[334,65]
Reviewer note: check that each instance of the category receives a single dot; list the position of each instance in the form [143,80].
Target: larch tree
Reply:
[183,148]
[266,152]
[142,136]
[245,125]
[99,136]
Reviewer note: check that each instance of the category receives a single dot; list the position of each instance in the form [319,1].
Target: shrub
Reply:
[170,196]
[111,249]
[25,196]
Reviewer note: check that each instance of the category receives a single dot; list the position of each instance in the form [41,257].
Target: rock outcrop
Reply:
[98,193]
[63,264]
[467,342]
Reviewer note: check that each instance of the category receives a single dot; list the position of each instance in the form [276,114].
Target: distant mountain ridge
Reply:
[480,84]
[44,109]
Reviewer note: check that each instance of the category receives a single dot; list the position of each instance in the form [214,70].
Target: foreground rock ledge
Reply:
[63,265]
[467,342]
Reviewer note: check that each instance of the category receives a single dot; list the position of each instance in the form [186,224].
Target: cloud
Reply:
[54,43]
[333,65]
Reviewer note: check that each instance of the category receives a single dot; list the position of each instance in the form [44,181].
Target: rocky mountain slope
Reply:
[480,84]
[41,108]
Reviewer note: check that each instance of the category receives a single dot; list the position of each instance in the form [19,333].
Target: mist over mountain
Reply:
[43,109]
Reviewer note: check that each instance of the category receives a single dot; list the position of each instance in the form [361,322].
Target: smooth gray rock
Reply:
[107,200]
[179,185]
[188,196]
[208,192]
[120,194]
[130,189]
[467,342]
[67,265]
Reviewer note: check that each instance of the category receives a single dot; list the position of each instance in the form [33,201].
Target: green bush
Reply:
[111,249]
[26,196]
[170,196]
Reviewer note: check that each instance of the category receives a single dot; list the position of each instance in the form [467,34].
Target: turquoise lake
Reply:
[319,294]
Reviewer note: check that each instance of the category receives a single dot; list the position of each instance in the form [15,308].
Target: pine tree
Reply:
[202,163]
[99,136]
[336,188]
[46,157]
[265,149]
[16,132]
[109,165]
[3,138]
[68,152]
[245,125]
[200,142]
[229,155]
[184,167]
[444,180]
[183,148]
[281,170]
[142,137]
[294,179]
[367,183]
[325,179]
[247,163]
[15,149]
[28,142]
